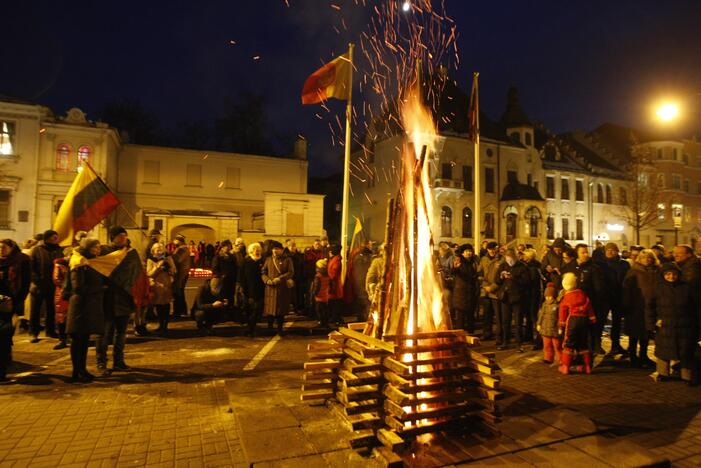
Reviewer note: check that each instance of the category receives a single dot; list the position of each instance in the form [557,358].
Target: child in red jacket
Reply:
[576,316]
[320,290]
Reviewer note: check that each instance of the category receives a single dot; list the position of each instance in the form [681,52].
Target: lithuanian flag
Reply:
[87,202]
[330,81]
[123,268]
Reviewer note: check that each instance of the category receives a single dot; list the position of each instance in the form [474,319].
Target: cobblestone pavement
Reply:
[189,402]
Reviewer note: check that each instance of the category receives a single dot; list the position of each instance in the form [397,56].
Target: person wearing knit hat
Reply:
[671,315]
[465,272]
[116,231]
[547,325]
[614,270]
[576,318]
[319,290]
[277,273]
[513,281]
[181,258]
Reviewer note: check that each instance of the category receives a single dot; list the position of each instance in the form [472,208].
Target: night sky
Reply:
[577,63]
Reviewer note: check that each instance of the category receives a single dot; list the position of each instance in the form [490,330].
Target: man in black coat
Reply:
[614,269]
[513,280]
[118,306]
[42,288]
[689,264]
[590,279]
[210,305]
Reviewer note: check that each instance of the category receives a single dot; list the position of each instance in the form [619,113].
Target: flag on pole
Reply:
[330,81]
[356,239]
[123,268]
[473,113]
[87,202]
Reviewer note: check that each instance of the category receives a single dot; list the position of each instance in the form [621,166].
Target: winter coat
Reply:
[59,275]
[42,259]
[577,303]
[160,279]
[535,284]
[16,271]
[275,273]
[489,268]
[691,271]
[551,259]
[513,290]
[638,286]
[548,318]
[320,286]
[85,307]
[677,306]
[311,256]
[614,271]
[181,258]
[335,271]
[466,288]
[206,298]
[360,265]
[445,267]
[250,279]
[118,302]
[297,263]
[375,275]
[226,266]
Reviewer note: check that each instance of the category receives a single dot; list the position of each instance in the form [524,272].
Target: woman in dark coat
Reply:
[225,266]
[252,286]
[465,287]
[277,273]
[672,312]
[15,278]
[85,310]
[638,286]
[513,280]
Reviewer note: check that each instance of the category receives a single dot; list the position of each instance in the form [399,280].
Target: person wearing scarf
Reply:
[14,287]
[160,270]
[251,285]
[85,306]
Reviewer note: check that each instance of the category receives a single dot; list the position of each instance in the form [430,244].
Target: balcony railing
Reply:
[448,184]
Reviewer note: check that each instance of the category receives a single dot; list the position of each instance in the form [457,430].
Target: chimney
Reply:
[300,149]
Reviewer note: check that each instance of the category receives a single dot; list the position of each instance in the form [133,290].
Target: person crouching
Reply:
[210,305]
[576,318]
[547,325]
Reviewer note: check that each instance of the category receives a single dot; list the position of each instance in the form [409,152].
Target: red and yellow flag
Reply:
[330,81]
[87,202]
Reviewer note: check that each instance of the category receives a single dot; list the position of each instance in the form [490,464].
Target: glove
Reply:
[560,331]
[537,327]
[276,280]
[269,282]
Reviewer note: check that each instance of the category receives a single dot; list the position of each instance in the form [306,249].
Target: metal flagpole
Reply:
[346,169]
[478,171]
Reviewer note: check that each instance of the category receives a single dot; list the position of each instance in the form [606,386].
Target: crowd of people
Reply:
[558,301]
[561,300]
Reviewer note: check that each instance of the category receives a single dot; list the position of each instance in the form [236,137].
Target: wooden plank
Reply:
[440,386]
[414,349]
[316,355]
[356,367]
[482,368]
[386,456]
[491,395]
[365,350]
[483,358]
[396,395]
[438,373]
[318,375]
[357,356]
[357,407]
[363,438]
[459,358]
[325,364]
[322,345]
[363,421]
[428,335]
[394,409]
[397,381]
[317,386]
[317,395]
[352,380]
[356,326]
[491,382]
[390,439]
[369,340]
[396,366]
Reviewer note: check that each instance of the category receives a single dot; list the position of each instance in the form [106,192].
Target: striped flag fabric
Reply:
[330,81]
[123,268]
[87,202]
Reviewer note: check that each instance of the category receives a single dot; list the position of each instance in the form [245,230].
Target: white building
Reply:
[203,195]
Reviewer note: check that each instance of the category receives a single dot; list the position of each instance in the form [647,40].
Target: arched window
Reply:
[608,194]
[446,222]
[599,193]
[622,196]
[63,157]
[466,222]
[84,155]
[511,215]
[533,217]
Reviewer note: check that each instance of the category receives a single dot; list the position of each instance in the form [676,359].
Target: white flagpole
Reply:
[478,171]
[346,169]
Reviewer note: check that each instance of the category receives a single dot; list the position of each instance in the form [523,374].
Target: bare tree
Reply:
[640,208]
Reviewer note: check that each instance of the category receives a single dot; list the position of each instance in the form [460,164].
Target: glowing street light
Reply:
[406,6]
[667,112]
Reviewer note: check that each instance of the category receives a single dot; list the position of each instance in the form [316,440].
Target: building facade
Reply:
[203,195]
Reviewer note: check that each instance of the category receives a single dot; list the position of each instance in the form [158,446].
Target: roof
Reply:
[517,191]
[514,115]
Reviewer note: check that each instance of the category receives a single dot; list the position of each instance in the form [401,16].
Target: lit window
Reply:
[7,137]
[550,228]
[466,222]
[549,187]
[580,229]
[489,225]
[533,217]
[564,189]
[63,157]
[84,155]
[4,209]
[565,228]
[660,211]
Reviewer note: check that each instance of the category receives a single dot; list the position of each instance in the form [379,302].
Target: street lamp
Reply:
[406,6]
[667,111]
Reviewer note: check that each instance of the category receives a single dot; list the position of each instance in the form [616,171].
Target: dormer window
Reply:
[516,137]
[529,139]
